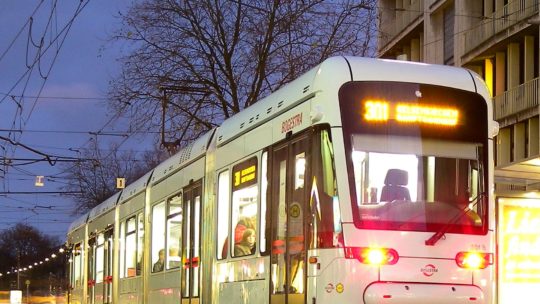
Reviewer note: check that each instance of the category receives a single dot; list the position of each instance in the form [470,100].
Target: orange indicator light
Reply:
[474,260]
[372,255]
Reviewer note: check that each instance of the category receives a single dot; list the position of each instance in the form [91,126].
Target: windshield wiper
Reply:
[439,234]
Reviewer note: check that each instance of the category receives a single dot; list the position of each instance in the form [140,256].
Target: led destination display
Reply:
[382,111]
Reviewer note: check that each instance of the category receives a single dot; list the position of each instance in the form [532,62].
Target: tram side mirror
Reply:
[493,128]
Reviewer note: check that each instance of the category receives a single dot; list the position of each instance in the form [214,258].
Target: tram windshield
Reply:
[407,183]
[418,156]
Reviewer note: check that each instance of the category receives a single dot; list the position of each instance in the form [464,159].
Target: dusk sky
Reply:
[79,77]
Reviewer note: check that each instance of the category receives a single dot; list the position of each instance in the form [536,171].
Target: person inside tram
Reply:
[160,263]
[247,244]
[395,186]
[241,226]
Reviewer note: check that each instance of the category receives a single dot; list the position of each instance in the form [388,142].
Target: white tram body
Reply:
[362,181]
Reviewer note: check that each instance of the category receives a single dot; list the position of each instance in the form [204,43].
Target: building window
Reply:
[448,34]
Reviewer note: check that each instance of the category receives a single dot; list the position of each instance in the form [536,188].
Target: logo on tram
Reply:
[291,123]
[429,270]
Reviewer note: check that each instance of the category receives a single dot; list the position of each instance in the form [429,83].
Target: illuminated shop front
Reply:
[519,250]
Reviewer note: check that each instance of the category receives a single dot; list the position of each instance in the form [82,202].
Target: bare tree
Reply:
[23,245]
[94,177]
[193,63]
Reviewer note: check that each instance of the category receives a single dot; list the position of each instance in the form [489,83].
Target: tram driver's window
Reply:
[244,207]
[376,174]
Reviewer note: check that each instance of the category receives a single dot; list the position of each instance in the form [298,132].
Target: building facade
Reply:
[499,40]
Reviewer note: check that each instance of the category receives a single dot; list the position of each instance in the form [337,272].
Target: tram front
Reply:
[418,172]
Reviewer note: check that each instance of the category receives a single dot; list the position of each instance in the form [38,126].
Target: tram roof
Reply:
[370,69]
[183,157]
[104,207]
[134,188]
[80,221]
[359,69]
[263,110]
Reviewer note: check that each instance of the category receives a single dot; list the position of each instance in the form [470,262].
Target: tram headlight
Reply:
[474,260]
[372,255]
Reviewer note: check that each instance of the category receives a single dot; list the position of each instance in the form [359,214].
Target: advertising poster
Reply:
[519,250]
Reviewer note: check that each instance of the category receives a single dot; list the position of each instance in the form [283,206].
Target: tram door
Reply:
[108,267]
[290,164]
[191,243]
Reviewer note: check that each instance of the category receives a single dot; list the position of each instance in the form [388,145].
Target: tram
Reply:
[362,181]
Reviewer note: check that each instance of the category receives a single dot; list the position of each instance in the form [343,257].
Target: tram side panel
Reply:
[175,225]
[130,283]
[208,227]
[246,277]
[100,251]
[77,263]
[241,277]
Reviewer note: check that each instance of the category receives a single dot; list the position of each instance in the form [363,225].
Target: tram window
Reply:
[131,247]
[108,272]
[299,176]
[100,258]
[91,257]
[223,214]
[393,171]
[264,187]
[122,248]
[196,244]
[419,187]
[140,242]
[158,237]
[77,260]
[174,231]
[244,207]
[324,205]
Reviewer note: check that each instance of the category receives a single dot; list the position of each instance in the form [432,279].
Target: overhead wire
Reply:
[68,26]
[20,31]
[58,97]
[59,39]
[39,55]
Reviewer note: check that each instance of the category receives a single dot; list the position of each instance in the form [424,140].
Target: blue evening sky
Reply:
[85,63]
